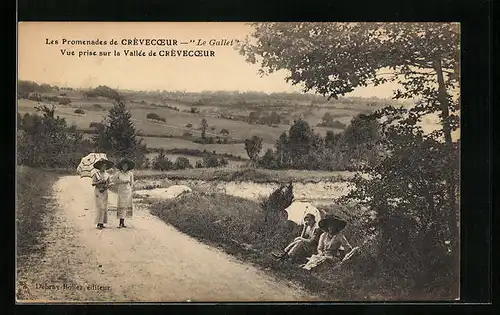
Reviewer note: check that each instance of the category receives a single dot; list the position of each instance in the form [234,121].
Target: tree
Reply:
[331,139]
[119,137]
[408,191]
[363,129]
[424,59]
[253,147]
[274,118]
[204,126]
[46,140]
[253,117]
[225,134]
[299,143]
[211,161]
[327,119]
[182,163]
[268,160]
[283,156]
[106,91]
[162,163]
[155,116]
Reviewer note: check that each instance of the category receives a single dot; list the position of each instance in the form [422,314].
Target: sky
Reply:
[42,62]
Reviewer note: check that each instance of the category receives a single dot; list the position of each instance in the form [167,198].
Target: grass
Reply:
[246,174]
[33,204]
[175,143]
[236,225]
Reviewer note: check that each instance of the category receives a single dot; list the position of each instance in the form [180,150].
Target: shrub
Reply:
[199,164]
[189,125]
[223,162]
[268,160]
[274,205]
[97,106]
[155,116]
[211,161]
[47,141]
[162,163]
[97,126]
[79,111]
[34,96]
[182,163]
[64,101]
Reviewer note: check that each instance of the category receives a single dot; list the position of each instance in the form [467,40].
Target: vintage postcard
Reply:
[237,162]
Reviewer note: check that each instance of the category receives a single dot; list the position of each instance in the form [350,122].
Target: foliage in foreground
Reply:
[47,141]
[240,228]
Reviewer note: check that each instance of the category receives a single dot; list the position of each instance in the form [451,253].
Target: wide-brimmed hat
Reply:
[310,215]
[337,223]
[130,163]
[107,163]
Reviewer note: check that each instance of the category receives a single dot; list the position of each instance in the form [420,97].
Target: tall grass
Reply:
[33,188]
[237,226]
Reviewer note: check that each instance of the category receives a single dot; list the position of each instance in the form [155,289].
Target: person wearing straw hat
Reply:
[331,242]
[305,244]
[101,181]
[124,181]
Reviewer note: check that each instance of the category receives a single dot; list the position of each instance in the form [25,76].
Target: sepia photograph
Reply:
[262,162]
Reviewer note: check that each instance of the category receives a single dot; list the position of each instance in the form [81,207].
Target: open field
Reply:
[168,135]
[176,121]
[174,143]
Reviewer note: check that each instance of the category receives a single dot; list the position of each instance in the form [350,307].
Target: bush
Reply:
[223,162]
[189,125]
[211,161]
[269,160]
[162,163]
[274,205]
[97,106]
[47,141]
[34,97]
[79,111]
[155,116]
[64,101]
[182,163]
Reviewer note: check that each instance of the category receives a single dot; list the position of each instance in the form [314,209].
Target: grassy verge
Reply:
[236,225]
[33,204]
[246,174]
[232,174]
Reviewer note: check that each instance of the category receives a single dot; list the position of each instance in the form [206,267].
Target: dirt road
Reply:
[148,261]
